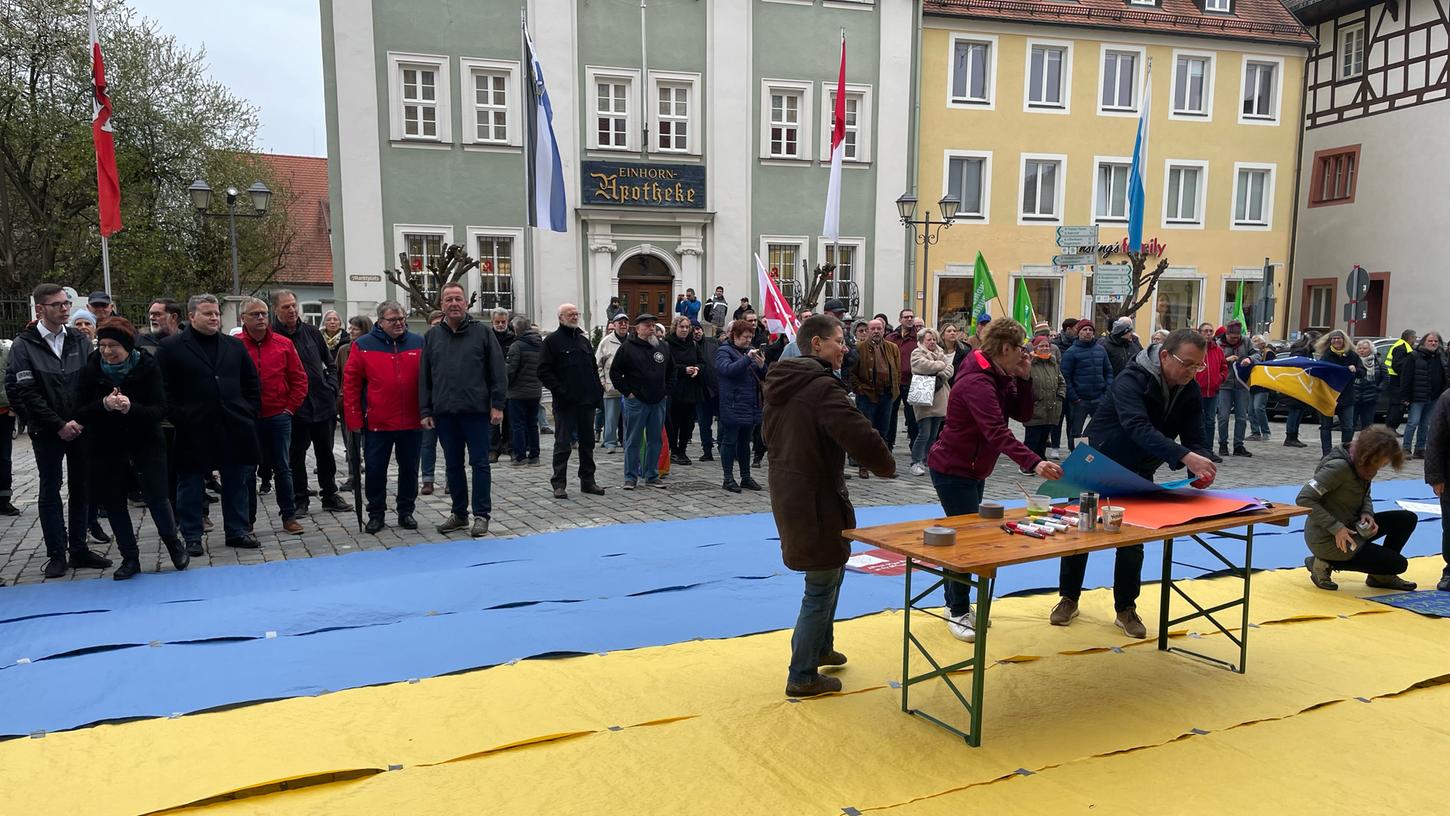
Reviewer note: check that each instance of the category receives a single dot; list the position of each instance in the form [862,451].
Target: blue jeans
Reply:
[1292,419]
[1259,412]
[644,425]
[457,432]
[1210,419]
[378,447]
[611,412]
[705,411]
[927,430]
[814,635]
[191,503]
[1237,401]
[428,455]
[959,496]
[1345,413]
[879,413]
[1078,414]
[274,433]
[735,446]
[1418,420]
[524,420]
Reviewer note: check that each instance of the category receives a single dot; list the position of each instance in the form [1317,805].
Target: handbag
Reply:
[922,390]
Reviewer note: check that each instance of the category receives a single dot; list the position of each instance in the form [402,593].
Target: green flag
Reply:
[1238,312]
[1022,307]
[983,290]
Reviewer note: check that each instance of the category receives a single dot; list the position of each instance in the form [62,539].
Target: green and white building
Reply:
[694,134]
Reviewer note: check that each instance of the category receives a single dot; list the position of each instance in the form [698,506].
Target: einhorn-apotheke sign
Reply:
[621,184]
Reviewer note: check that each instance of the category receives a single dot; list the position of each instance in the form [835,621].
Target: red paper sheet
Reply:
[1175,507]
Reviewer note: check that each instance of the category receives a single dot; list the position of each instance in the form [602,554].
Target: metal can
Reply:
[1087,511]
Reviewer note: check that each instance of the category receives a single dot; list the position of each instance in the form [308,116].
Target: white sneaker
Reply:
[961,626]
[918,470]
[1054,454]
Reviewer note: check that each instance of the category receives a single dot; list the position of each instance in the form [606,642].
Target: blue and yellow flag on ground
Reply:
[1312,382]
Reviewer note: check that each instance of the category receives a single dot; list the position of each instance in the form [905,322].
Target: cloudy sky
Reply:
[268,52]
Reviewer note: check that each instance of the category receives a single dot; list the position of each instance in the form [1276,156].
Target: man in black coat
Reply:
[315,423]
[43,374]
[214,396]
[566,368]
[644,374]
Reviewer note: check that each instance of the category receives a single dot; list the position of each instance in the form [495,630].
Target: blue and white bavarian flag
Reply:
[1139,169]
[547,208]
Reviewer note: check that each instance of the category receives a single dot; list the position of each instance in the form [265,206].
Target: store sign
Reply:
[1151,248]
[620,184]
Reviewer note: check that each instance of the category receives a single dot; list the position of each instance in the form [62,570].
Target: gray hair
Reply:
[921,335]
[277,295]
[1178,338]
[499,312]
[252,302]
[389,306]
[521,324]
[194,302]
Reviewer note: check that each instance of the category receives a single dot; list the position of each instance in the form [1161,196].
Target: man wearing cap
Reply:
[1121,345]
[101,306]
[616,334]
[643,373]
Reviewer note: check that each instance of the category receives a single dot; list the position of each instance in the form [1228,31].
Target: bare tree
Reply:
[1144,283]
[449,266]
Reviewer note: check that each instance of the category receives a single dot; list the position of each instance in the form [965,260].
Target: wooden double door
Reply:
[652,295]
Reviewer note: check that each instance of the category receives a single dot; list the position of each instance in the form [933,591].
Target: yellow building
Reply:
[1028,114]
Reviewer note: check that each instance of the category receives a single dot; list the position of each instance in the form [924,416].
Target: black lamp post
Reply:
[200,193]
[930,228]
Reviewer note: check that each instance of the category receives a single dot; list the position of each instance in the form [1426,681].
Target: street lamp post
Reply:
[261,197]
[930,229]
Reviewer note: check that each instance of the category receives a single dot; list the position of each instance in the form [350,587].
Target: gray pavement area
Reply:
[523,504]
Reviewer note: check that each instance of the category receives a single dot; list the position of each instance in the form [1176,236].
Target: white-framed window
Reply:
[1044,288]
[1321,307]
[1192,86]
[1253,202]
[491,102]
[852,250]
[1143,2]
[1110,189]
[423,243]
[786,256]
[785,121]
[1219,6]
[1252,278]
[1043,178]
[613,120]
[1349,51]
[420,92]
[967,174]
[1118,80]
[1048,77]
[497,249]
[857,146]
[674,113]
[312,312]
[973,61]
[1184,192]
[1263,77]
[1178,300]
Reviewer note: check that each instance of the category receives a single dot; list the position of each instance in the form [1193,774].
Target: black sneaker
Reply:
[707,456]
[1242,451]
[129,568]
[1293,442]
[265,487]
[244,542]
[561,493]
[750,484]
[56,568]
[335,503]
[592,489]
[374,525]
[8,509]
[407,522]
[94,528]
[656,483]
[1222,451]
[731,485]
[682,459]
[88,559]
[195,549]
[179,557]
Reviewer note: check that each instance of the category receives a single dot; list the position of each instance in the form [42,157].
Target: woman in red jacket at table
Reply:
[993,384]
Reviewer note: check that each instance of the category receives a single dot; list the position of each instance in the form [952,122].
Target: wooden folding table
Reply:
[982,548]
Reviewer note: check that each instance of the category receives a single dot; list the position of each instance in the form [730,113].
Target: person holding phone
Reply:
[740,370]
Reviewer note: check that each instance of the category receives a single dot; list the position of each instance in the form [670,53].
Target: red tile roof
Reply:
[1254,20]
[310,261]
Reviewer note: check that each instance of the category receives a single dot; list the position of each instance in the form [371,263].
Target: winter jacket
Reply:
[42,386]
[1137,424]
[1369,382]
[740,379]
[708,347]
[809,429]
[604,356]
[1395,359]
[115,438]
[643,370]
[380,381]
[975,434]
[685,353]
[566,368]
[1243,350]
[716,312]
[505,339]
[905,344]
[1210,379]
[1087,371]
[213,401]
[284,382]
[1347,359]
[320,364]
[522,362]
[1336,497]
[462,370]
[1121,349]
[1437,452]
[689,308]
[863,374]
[1422,376]
[933,364]
[1049,390]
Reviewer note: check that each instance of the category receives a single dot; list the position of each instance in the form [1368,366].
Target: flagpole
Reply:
[836,241]
[106,262]
[529,192]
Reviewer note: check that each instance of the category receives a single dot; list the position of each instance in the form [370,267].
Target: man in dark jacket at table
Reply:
[567,369]
[810,426]
[1153,401]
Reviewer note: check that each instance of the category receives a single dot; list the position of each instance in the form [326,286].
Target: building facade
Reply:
[693,136]
[1375,119]
[308,272]
[1029,111]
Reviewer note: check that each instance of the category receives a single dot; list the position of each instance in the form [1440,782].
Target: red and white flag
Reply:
[774,310]
[108,183]
[832,228]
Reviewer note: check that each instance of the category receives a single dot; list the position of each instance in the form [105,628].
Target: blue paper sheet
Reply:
[1088,469]
[1426,602]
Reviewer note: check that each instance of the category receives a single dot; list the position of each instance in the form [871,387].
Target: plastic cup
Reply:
[1112,519]
[1038,504]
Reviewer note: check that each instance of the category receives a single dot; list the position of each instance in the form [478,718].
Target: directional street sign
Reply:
[1115,280]
[1083,259]
[1074,237]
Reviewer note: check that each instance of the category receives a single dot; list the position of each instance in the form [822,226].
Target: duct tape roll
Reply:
[989,510]
[939,536]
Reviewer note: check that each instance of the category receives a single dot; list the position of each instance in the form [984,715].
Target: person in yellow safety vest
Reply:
[1396,413]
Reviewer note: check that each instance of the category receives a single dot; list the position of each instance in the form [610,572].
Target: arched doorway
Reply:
[646,284]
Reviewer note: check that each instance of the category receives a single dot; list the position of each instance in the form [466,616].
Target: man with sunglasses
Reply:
[1151,415]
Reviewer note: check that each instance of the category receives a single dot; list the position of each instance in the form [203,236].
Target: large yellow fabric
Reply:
[704,728]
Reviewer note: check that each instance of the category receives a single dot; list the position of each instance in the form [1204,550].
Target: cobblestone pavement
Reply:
[523,504]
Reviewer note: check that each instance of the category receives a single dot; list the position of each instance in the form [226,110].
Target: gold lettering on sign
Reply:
[619,186]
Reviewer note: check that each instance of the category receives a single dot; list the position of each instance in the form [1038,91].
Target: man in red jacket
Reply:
[1210,380]
[284,387]
[380,398]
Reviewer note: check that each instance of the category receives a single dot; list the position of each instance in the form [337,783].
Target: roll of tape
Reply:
[989,510]
[939,536]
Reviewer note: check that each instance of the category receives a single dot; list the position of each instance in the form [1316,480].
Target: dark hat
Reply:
[985,318]
[1121,326]
[644,317]
[99,297]
[117,332]
[835,305]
